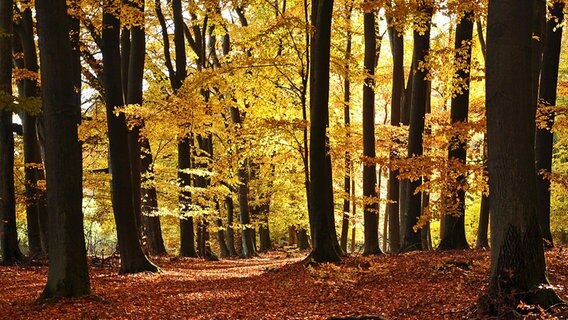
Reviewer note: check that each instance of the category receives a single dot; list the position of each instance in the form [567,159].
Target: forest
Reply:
[283,159]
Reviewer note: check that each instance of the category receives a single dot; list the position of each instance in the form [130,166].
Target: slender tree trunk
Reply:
[68,273]
[547,97]
[482,241]
[230,229]
[347,119]
[132,257]
[187,236]
[36,209]
[9,247]
[405,120]
[419,99]
[224,250]
[518,269]
[370,208]
[150,219]
[397,49]
[454,219]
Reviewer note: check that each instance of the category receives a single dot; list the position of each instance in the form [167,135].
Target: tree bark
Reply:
[187,236]
[230,230]
[9,247]
[454,221]
[347,120]
[370,208]
[133,259]
[547,97]
[68,273]
[518,269]
[36,208]
[325,245]
[418,101]
[393,207]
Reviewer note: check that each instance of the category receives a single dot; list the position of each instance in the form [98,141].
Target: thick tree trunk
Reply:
[419,99]
[453,236]
[9,247]
[547,97]
[132,257]
[325,245]
[68,273]
[370,208]
[518,270]
[397,49]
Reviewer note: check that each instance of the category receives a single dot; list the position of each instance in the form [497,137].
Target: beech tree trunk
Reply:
[453,236]
[547,97]
[397,49]
[370,208]
[68,273]
[9,247]
[518,269]
[230,231]
[418,101]
[132,258]
[36,207]
[347,119]
[322,222]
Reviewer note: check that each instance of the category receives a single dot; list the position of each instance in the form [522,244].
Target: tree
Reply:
[9,249]
[393,206]
[144,192]
[518,269]
[133,259]
[68,274]
[453,236]
[371,208]
[345,225]
[547,97]
[325,245]
[36,208]
[418,100]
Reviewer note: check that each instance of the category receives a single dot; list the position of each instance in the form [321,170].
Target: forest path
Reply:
[419,285]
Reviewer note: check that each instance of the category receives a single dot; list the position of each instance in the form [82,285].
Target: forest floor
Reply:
[278,285]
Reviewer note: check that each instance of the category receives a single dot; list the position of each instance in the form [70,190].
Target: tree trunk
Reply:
[518,269]
[230,229]
[133,259]
[325,245]
[68,273]
[224,250]
[482,241]
[303,240]
[418,101]
[397,49]
[547,97]
[9,247]
[370,207]
[150,219]
[347,119]
[36,209]
[454,219]
[187,236]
